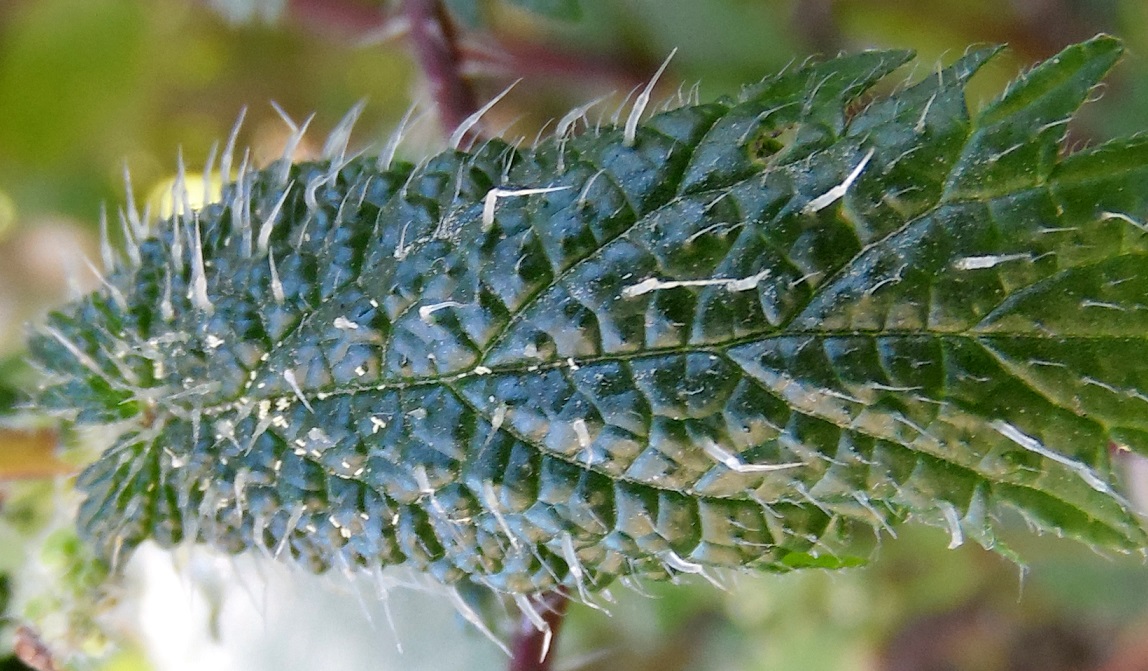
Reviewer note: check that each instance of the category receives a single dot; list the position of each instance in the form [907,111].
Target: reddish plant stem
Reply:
[351,18]
[816,22]
[529,644]
[435,46]
[518,57]
[359,19]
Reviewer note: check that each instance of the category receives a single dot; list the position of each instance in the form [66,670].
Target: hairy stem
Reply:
[532,649]
[436,47]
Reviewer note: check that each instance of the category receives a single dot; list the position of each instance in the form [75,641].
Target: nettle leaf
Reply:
[731,336]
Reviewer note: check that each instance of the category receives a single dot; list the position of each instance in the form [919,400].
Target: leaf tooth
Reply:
[1016,137]
[828,86]
[1056,86]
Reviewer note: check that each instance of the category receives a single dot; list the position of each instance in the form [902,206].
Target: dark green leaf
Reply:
[730,340]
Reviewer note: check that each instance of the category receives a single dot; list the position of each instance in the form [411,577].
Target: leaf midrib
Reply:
[400,384]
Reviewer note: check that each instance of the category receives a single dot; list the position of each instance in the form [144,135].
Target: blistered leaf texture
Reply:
[729,339]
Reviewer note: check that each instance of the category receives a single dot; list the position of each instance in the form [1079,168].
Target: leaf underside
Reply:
[759,326]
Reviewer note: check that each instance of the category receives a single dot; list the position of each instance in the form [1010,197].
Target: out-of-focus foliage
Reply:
[87,85]
[9,387]
[558,9]
[473,14]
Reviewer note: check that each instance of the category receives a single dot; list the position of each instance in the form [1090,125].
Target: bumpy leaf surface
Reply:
[725,340]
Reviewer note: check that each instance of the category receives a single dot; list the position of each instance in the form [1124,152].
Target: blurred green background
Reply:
[89,86]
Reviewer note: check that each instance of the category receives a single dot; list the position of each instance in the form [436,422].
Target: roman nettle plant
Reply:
[736,335]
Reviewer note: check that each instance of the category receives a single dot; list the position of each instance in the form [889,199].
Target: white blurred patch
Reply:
[1136,474]
[246,11]
[198,610]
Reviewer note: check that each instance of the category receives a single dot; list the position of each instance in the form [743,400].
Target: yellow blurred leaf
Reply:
[30,454]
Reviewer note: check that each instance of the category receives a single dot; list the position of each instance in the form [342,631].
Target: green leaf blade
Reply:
[759,327]
[1017,136]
